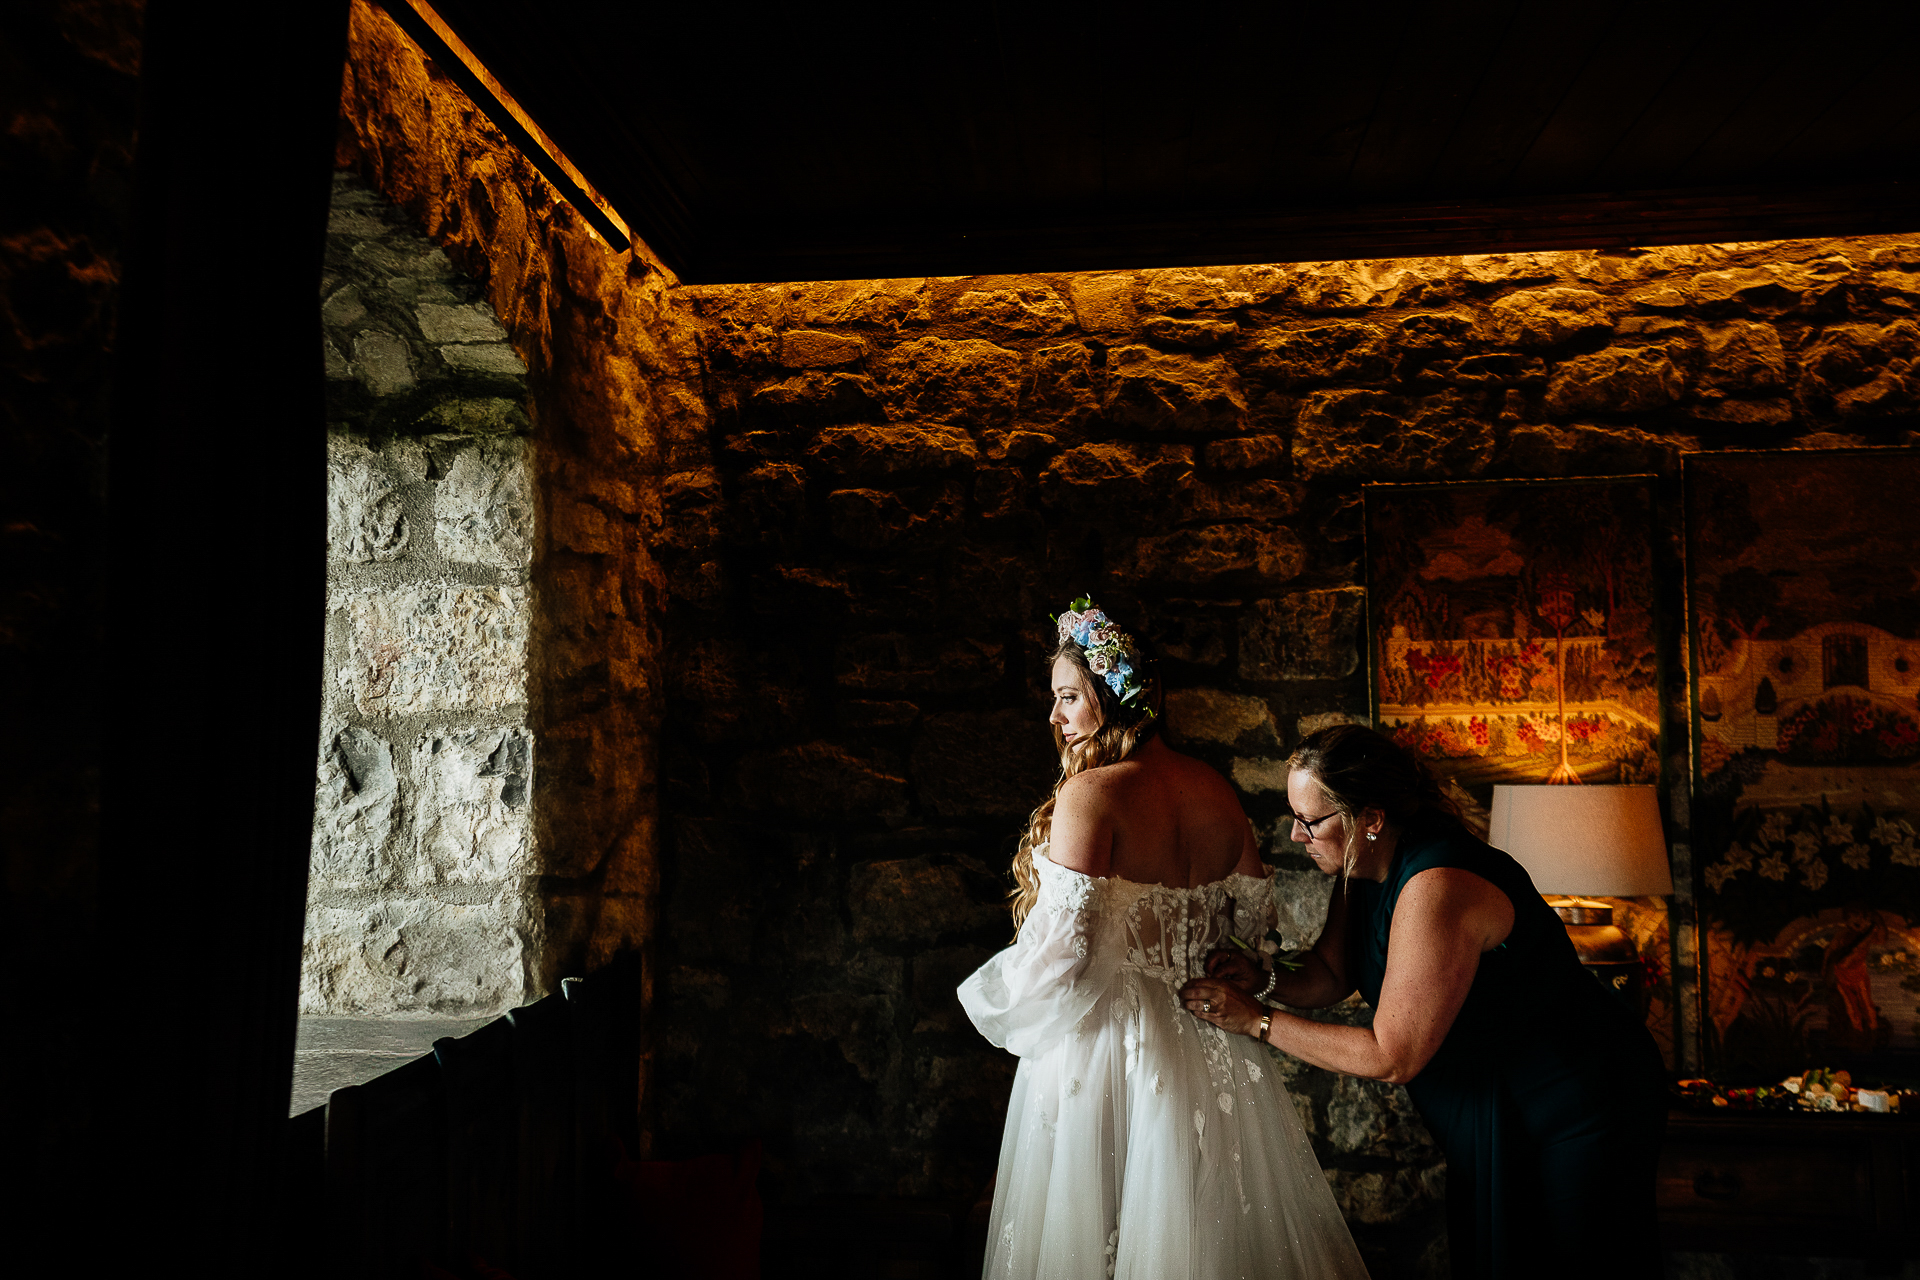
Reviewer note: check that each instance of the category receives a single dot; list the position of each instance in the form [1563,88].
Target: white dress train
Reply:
[1142,1143]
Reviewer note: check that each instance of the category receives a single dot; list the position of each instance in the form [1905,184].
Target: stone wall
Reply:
[422,895]
[613,380]
[907,476]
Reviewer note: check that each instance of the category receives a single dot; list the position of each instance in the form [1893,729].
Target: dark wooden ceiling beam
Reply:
[772,252]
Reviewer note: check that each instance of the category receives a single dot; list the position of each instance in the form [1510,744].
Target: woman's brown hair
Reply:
[1360,769]
[1123,728]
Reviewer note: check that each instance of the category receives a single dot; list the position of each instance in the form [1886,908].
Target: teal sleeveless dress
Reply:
[1547,1095]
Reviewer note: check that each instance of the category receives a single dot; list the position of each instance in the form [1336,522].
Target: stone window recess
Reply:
[423,836]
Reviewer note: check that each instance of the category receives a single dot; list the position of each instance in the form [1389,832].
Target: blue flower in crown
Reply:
[1110,651]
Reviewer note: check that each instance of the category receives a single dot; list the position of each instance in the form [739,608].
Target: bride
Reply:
[1141,1142]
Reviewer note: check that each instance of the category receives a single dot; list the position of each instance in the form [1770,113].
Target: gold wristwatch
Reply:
[1266,1025]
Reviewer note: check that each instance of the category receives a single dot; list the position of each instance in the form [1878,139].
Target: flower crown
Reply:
[1111,652]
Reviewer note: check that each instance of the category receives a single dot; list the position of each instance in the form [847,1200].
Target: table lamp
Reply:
[1588,840]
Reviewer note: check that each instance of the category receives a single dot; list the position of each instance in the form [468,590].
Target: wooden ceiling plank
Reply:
[1634,60]
[1702,95]
[1439,69]
[1868,127]
[1546,50]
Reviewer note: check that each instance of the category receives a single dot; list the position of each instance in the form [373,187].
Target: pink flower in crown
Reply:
[1070,622]
[1099,662]
[1103,635]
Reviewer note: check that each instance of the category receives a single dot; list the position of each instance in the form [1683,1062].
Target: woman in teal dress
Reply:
[1545,1092]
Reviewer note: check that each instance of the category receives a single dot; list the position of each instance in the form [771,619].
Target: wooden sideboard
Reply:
[1797,1184]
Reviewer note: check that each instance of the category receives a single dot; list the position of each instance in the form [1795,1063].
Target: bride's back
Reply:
[1172,821]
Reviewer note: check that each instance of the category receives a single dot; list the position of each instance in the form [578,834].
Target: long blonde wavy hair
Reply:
[1122,729]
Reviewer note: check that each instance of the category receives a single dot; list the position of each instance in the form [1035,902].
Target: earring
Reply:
[1373,835]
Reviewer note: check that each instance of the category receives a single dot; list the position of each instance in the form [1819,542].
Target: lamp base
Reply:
[1605,950]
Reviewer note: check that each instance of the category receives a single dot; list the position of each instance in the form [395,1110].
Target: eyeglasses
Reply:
[1311,823]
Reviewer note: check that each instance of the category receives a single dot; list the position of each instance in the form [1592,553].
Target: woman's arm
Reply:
[1445,919]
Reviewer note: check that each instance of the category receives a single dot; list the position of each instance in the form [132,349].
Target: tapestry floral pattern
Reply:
[1805,634]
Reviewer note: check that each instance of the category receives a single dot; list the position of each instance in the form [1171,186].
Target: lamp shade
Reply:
[1599,840]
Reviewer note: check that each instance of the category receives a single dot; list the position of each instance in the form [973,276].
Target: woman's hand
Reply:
[1225,1006]
[1231,966]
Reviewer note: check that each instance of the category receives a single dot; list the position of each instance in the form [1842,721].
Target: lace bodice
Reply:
[1085,931]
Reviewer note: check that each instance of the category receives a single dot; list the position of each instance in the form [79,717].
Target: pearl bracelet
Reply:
[1273,980]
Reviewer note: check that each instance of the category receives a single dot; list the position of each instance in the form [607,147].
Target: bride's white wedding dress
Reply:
[1142,1142]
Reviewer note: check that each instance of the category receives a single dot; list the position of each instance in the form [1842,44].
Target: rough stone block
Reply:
[1855,369]
[971,380]
[896,663]
[1183,291]
[477,415]
[1162,391]
[1370,1117]
[1191,335]
[366,519]
[1113,479]
[937,975]
[876,518]
[816,396]
[343,307]
[1773,289]
[1744,358]
[383,363]
[1584,449]
[1195,500]
[1537,319]
[1246,453]
[1028,311]
[914,901]
[1349,352]
[496,359]
[471,816]
[892,448]
[1384,1198]
[1104,304]
[354,810]
[1356,286]
[1214,715]
[1262,773]
[1364,434]
[435,647]
[995,764]
[1617,380]
[1064,390]
[415,955]
[814,349]
[885,304]
[1243,554]
[483,509]
[1309,635]
[860,1026]
[1301,898]
[472,322]
[819,782]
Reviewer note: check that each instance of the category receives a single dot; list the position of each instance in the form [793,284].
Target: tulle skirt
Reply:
[1148,1145]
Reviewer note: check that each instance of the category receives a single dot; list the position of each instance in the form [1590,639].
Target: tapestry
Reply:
[1803,600]
[1512,629]
[1512,638]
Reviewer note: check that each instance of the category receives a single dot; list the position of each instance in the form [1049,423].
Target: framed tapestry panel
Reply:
[1512,629]
[1513,637]
[1803,603]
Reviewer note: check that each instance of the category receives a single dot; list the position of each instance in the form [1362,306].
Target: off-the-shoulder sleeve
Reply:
[1034,992]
